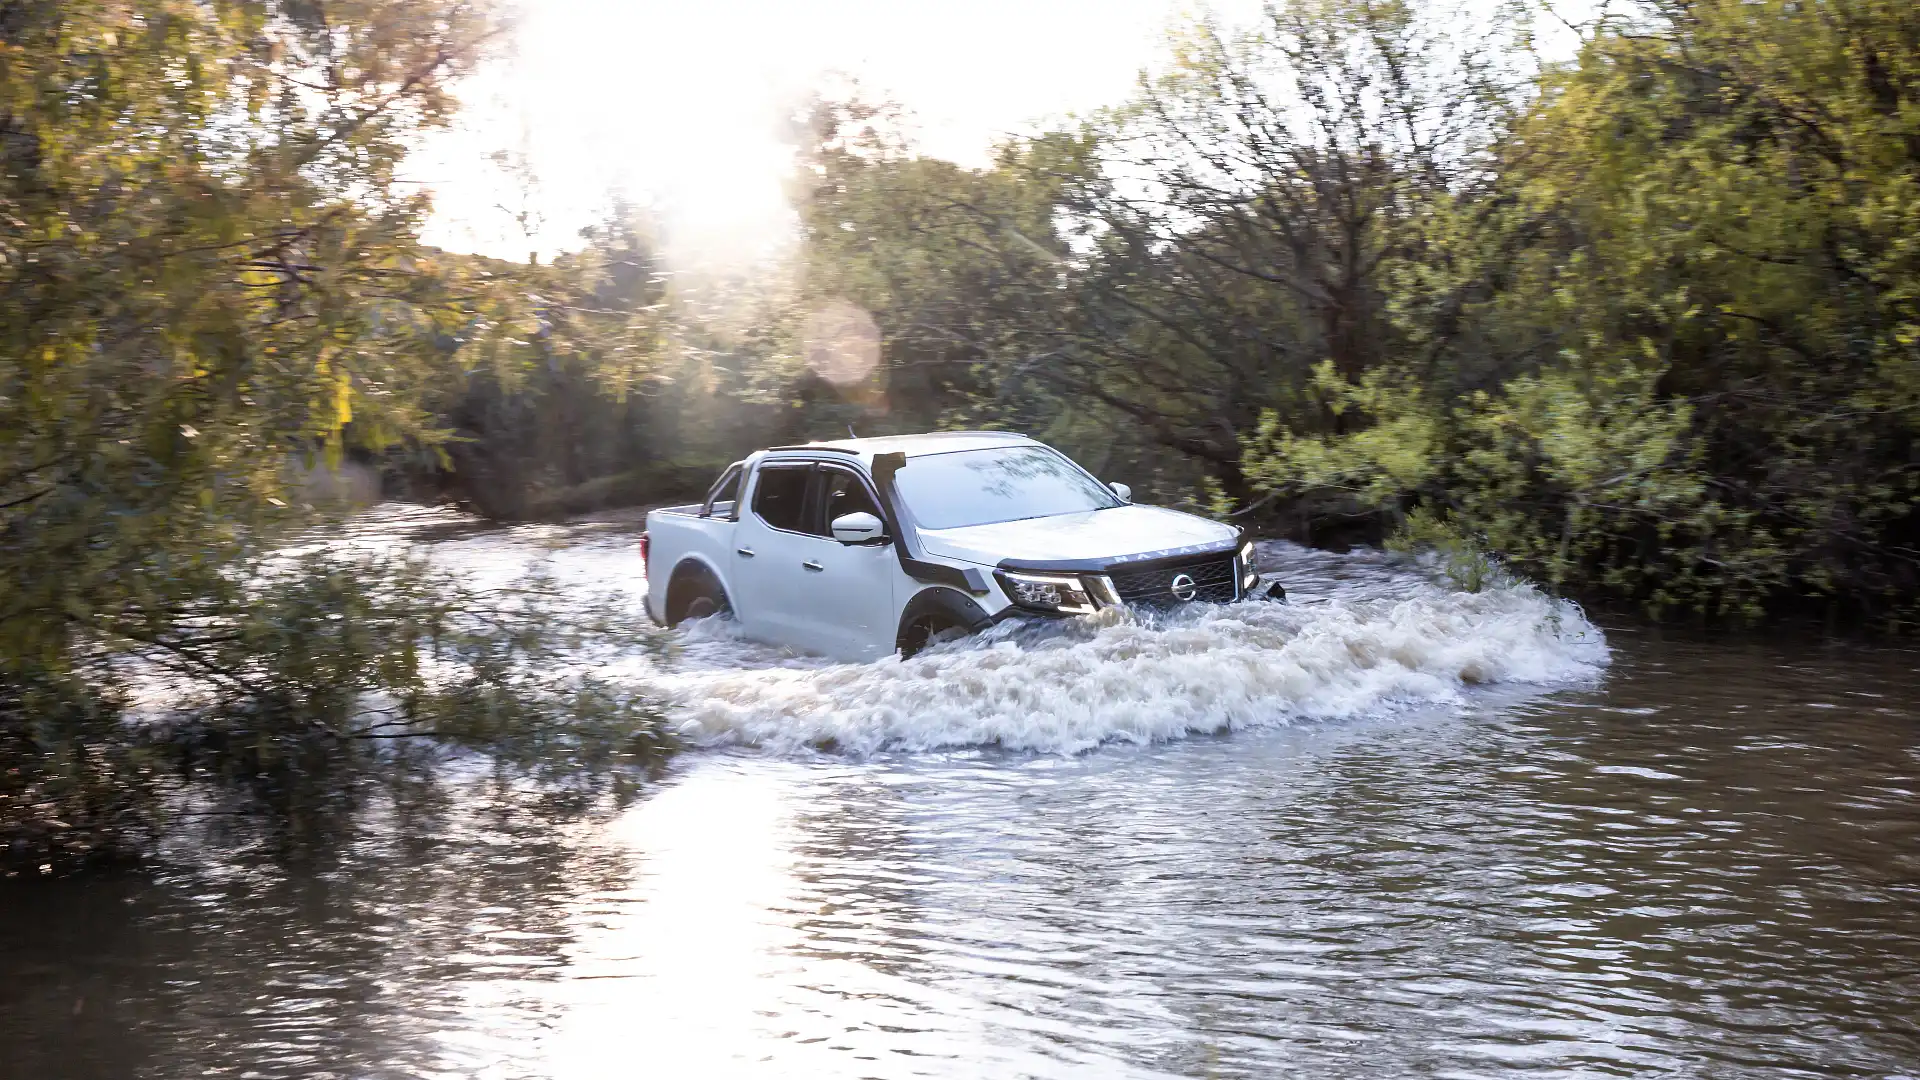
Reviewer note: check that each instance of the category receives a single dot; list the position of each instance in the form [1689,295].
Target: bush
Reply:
[309,674]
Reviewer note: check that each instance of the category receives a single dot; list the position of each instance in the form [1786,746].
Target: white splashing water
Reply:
[1064,688]
[1368,634]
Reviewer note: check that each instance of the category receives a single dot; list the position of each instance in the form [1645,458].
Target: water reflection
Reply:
[413,949]
[1708,866]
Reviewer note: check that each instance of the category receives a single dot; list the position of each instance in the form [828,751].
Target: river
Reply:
[1386,829]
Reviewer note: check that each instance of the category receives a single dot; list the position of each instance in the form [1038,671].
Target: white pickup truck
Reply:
[859,548]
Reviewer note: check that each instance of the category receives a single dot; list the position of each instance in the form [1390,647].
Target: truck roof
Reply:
[935,442]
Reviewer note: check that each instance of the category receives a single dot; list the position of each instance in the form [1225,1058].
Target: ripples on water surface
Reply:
[1439,836]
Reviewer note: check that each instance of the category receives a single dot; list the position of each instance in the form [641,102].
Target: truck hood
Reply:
[1092,536]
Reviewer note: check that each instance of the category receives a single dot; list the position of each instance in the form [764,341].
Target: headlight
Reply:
[1046,592]
[1246,554]
[1248,578]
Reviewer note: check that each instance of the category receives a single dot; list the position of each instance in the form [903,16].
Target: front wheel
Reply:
[926,630]
[938,615]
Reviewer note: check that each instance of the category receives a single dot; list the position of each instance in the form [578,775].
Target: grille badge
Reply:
[1183,587]
[1213,582]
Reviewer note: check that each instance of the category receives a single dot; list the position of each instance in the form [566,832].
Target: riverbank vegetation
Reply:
[1641,321]
[210,273]
[1644,324]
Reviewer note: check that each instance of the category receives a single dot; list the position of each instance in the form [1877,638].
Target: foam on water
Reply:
[1067,687]
[1367,633]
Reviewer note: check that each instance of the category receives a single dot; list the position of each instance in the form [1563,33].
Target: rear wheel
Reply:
[695,595]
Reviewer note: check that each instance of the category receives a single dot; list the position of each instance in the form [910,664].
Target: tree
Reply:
[1179,265]
[209,269]
[960,269]
[1254,202]
[210,266]
[1712,306]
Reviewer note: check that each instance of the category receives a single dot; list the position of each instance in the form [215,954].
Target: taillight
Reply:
[646,552]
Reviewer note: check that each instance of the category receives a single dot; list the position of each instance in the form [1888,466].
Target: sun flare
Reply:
[681,107]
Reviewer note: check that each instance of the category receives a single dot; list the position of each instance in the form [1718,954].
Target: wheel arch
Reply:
[691,571]
[939,601]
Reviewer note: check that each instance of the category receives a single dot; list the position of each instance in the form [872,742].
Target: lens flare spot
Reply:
[842,344]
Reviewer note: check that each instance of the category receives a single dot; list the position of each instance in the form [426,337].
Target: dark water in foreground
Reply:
[1702,862]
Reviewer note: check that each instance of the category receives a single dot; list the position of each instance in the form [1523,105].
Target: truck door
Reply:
[767,552]
[846,590]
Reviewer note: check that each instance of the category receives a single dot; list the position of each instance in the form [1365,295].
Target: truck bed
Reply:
[722,509]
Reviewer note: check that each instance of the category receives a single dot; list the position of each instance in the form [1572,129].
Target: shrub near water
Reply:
[307,677]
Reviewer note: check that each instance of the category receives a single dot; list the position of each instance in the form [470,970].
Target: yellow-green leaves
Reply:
[1387,453]
[1673,355]
[203,276]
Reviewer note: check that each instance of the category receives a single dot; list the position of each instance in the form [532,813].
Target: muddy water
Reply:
[1386,830]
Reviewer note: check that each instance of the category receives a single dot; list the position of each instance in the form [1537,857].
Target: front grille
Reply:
[1212,582]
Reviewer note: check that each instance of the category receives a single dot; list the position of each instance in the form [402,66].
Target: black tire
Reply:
[936,613]
[695,594]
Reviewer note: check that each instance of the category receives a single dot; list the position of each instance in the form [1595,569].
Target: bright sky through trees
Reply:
[680,104]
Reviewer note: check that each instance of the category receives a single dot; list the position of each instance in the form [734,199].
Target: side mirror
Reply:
[860,528]
[1122,490]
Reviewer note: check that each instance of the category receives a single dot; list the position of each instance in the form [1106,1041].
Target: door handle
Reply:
[745,553]
[813,566]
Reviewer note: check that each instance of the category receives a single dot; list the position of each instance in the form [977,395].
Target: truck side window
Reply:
[841,493]
[780,496]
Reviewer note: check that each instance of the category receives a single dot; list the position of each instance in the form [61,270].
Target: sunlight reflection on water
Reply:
[1703,863]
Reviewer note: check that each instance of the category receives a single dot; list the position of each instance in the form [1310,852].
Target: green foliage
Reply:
[74,789]
[210,279]
[1645,324]
[1396,451]
[208,269]
[1463,558]
[332,648]
[1680,365]
[308,674]
[956,267]
[602,379]
[1145,287]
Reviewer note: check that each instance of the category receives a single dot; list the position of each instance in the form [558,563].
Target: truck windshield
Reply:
[1005,483]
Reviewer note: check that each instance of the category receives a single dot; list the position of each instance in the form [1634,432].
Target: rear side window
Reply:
[780,496]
